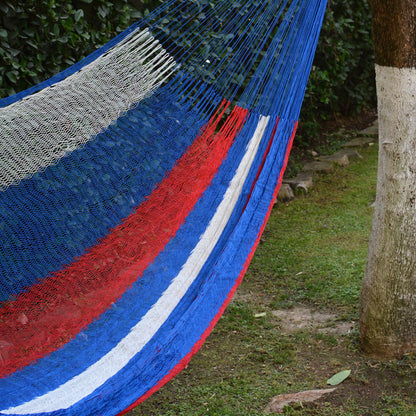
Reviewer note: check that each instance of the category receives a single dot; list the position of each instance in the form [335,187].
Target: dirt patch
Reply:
[304,318]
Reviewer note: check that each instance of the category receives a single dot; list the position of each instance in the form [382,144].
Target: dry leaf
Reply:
[277,403]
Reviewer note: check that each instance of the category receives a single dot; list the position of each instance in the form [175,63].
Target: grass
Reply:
[315,247]
[313,254]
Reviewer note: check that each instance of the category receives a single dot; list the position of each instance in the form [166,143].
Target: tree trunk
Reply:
[388,297]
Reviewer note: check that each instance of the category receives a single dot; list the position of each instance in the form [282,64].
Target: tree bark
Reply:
[388,297]
[394,32]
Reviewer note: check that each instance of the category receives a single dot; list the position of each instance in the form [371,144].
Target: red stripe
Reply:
[54,311]
[185,360]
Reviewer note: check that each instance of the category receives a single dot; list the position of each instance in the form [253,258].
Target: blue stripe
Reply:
[205,297]
[105,333]
[102,183]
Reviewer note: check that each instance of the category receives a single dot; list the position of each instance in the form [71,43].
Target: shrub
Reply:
[342,77]
[39,38]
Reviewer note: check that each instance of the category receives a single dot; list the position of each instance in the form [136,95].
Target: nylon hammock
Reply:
[134,187]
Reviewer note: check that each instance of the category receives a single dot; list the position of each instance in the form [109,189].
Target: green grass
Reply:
[313,253]
[315,247]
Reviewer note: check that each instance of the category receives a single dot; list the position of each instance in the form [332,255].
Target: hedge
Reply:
[342,79]
[39,38]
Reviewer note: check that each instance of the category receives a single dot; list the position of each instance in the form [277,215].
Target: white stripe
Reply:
[85,383]
[38,130]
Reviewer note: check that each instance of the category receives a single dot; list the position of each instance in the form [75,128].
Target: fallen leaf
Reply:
[338,377]
[278,403]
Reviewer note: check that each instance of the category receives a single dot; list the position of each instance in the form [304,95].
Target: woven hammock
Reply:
[134,188]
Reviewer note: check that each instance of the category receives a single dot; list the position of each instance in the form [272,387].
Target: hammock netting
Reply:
[134,187]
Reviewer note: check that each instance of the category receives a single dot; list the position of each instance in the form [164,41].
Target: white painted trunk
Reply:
[388,300]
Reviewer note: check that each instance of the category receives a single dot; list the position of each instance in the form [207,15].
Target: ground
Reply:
[293,321]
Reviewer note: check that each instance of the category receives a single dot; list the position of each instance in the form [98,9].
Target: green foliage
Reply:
[39,38]
[342,76]
[213,46]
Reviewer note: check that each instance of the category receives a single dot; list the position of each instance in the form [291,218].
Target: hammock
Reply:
[134,189]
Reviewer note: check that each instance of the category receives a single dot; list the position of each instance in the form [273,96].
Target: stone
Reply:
[286,193]
[340,159]
[360,141]
[302,182]
[351,153]
[370,131]
[319,166]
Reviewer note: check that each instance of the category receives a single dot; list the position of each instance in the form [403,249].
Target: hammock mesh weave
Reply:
[134,188]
